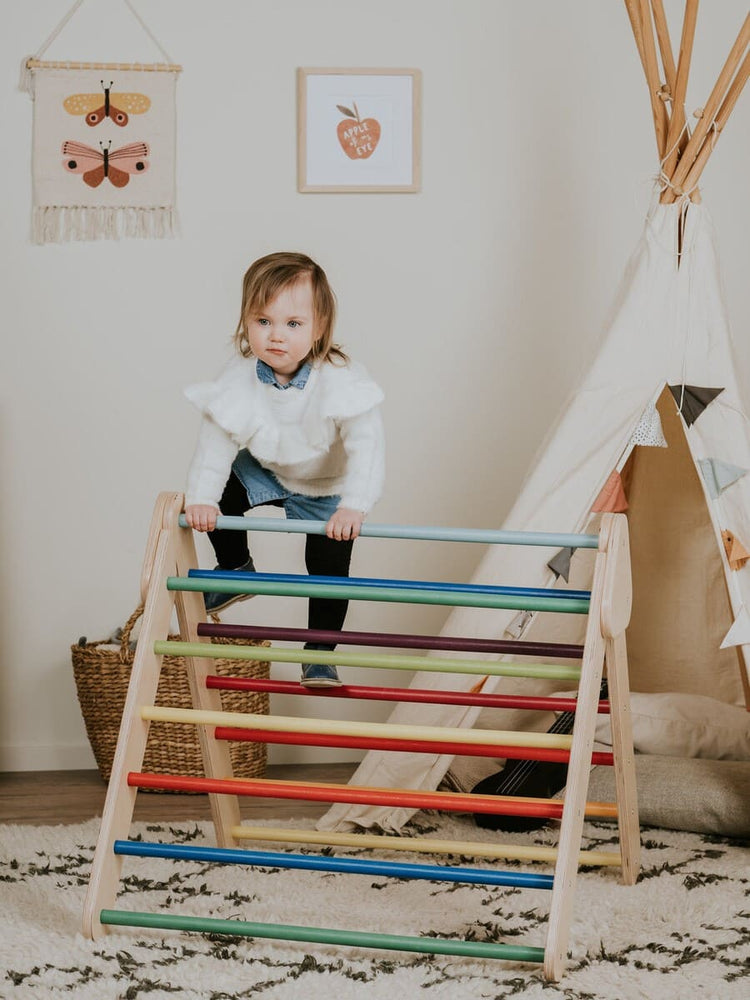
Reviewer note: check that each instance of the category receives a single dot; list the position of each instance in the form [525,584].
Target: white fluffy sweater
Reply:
[324,439]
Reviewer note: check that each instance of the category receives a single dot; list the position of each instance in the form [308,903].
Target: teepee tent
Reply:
[656,429]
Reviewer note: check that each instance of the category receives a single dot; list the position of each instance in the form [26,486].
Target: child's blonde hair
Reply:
[270,275]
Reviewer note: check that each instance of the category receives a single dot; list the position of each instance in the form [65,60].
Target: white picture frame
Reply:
[358,130]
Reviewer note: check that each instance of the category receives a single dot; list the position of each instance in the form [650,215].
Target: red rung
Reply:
[410,746]
[418,695]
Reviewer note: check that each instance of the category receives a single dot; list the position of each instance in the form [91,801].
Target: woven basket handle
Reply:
[125,635]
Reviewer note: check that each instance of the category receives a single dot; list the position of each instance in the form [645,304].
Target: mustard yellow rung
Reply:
[335,727]
[419,845]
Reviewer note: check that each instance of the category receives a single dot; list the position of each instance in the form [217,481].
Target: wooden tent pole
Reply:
[677,122]
[721,119]
[635,22]
[647,51]
[693,147]
[658,107]
[665,44]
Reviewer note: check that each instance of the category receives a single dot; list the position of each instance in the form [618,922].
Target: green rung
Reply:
[388,661]
[401,595]
[323,935]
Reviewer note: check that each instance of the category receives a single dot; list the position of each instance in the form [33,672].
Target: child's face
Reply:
[283,334]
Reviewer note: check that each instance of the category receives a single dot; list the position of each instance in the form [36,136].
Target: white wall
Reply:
[475,303]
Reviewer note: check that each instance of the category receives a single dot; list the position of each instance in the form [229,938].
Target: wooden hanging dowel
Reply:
[693,147]
[721,119]
[116,66]
[675,145]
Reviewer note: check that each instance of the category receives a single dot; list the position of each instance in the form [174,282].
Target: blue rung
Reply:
[357,866]
[561,604]
[482,535]
[362,581]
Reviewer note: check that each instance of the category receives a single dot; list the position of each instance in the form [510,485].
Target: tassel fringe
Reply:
[62,223]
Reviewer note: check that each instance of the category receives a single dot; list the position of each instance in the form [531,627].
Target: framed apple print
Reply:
[358,130]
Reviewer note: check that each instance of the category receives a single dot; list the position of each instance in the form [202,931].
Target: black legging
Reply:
[324,556]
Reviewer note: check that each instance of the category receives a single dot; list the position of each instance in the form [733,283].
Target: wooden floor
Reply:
[50,797]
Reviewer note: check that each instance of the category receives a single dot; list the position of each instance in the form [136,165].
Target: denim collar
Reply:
[267,374]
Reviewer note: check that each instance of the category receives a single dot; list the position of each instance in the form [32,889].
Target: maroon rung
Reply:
[410,746]
[418,695]
[393,639]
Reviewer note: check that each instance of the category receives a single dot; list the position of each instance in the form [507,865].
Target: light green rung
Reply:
[389,661]
[323,935]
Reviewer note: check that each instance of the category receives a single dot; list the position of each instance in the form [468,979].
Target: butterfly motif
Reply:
[115,106]
[96,164]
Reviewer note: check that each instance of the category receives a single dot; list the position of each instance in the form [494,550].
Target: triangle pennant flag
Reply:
[648,431]
[611,499]
[517,625]
[737,554]
[739,633]
[560,563]
[719,475]
[692,400]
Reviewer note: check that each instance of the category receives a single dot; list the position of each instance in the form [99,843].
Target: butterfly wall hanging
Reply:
[95,164]
[115,106]
[115,125]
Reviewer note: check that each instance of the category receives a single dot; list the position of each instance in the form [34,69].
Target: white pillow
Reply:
[684,725]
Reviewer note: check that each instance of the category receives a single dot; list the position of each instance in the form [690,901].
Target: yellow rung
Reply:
[419,845]
[335,727]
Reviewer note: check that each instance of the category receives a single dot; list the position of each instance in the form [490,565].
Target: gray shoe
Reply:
[319,675]
[217,602]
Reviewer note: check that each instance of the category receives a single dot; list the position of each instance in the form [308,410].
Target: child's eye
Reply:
[293,323]
[261,321]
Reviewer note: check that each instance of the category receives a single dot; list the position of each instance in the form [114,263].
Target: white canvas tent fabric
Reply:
[669,329]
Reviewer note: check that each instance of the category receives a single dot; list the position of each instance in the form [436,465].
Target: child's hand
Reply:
[344,524]
[201,516]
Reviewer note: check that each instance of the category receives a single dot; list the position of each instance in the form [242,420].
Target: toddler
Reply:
[291,422]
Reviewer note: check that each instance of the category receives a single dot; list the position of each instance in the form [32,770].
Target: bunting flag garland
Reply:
[560,563]
[739,633]
[648,432]
[103,147]
[692,400]
[719,475]
[737,554]
[611,499]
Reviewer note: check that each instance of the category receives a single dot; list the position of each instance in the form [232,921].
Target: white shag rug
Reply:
[681,933]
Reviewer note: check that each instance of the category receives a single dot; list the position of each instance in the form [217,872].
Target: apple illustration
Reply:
[358,136]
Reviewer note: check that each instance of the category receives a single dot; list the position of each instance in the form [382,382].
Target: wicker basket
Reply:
[102,674]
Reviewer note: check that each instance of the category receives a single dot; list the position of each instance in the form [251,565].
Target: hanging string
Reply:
[56,31]
[26,78]
[148,31]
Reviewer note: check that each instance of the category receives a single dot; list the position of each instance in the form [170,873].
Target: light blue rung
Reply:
[483,536]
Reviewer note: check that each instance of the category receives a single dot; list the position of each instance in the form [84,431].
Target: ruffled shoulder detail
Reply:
[232,399]
[347,391]
[239,403]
